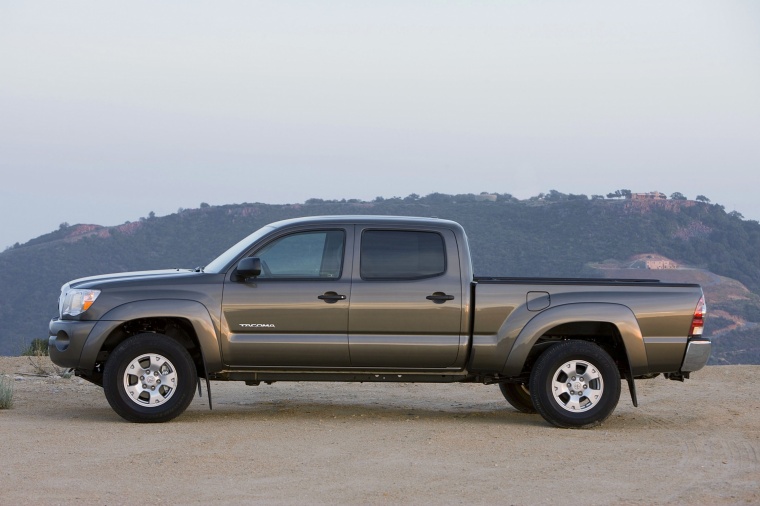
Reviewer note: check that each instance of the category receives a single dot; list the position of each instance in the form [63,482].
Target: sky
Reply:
[111,110]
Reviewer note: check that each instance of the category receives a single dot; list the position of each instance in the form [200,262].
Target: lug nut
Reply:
[142,378]
[145,386]
[152,388]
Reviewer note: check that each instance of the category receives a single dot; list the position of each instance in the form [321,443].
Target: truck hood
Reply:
[94,281]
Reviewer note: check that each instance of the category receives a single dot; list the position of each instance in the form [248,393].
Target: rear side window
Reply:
[401,254]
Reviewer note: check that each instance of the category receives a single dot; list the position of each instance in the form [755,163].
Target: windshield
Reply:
[222,262]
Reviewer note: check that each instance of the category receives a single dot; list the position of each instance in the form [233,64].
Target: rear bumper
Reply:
[697,353]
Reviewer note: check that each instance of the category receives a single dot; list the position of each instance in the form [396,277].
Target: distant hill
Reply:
[549,235]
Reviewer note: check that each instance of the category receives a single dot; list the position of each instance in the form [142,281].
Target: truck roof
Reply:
[367,219]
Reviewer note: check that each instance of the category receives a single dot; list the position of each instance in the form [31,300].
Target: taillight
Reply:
[698,321]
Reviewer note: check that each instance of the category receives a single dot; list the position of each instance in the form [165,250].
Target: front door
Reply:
[295,314]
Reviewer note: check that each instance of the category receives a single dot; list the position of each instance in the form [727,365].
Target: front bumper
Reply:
[66,341]
[697,353]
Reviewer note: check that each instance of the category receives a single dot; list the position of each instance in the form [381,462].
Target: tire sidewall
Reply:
[126,352]
[517,397]
[543,374]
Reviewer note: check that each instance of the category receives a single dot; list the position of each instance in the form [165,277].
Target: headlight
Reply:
[75,301]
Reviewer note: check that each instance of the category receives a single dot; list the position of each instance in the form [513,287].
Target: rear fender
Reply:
[618,315]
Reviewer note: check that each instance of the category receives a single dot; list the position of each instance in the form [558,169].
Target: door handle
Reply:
[439,297]
[331,297]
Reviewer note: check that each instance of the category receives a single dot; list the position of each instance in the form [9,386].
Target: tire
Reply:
[518,396]
[575,384]
[149,378]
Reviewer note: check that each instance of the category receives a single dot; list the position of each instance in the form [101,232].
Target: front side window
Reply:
[317,255]
[401,254]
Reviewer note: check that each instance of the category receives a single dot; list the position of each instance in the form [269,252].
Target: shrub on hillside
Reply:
[37,348]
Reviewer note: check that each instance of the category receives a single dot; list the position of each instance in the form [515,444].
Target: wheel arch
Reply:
[186,321]
[612,326]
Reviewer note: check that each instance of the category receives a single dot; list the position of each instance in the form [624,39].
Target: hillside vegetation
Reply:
[550,235]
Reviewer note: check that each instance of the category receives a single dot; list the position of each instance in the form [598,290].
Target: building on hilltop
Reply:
[654,262]
[486,197]
[648,196]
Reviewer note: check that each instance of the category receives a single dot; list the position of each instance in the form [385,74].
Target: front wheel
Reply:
[575,384]
[149,378]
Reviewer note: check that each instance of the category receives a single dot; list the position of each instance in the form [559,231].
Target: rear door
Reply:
[406,299]
[295,314]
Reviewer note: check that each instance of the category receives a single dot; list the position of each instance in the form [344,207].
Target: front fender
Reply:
[190,310]
[618,315]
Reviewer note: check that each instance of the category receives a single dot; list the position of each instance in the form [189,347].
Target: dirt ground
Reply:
[324,443]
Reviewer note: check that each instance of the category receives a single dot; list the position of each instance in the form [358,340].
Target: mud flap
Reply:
[208,391]
[632,388]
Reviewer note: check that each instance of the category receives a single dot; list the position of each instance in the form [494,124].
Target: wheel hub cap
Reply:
[577,386]
[150,380]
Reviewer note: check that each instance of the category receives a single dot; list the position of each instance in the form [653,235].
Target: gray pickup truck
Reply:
[373,298]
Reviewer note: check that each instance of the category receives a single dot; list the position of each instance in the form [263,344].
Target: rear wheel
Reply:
[575,384]
[518,396]
[149,378]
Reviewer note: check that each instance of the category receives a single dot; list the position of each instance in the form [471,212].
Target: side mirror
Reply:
[248,267]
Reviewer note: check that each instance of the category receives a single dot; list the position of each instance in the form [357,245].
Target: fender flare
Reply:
[616,314]
[193,311]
